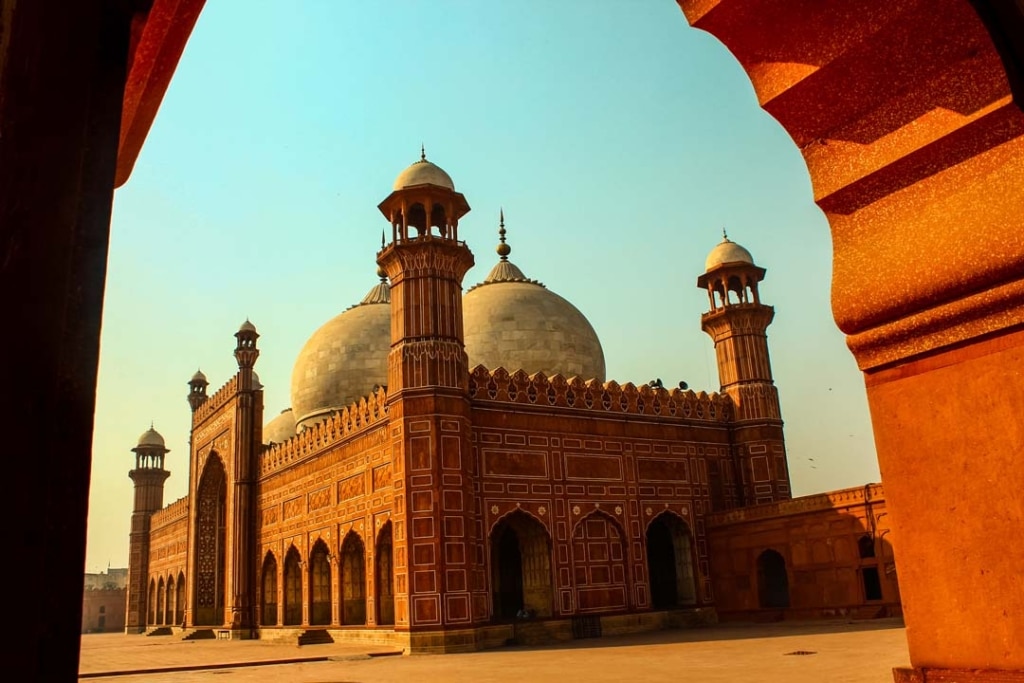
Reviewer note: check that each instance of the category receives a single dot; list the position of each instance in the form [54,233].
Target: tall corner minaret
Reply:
[248,423]
[429,409]
[738,323]
[149,476]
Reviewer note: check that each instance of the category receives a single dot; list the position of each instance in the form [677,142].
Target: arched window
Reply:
[772,581]
[866,546]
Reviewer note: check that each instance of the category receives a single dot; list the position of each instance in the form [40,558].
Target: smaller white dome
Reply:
[727,251]
[151,437]
[281,428]
[423,172]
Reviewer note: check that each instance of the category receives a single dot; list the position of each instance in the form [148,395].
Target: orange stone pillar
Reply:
[915,147]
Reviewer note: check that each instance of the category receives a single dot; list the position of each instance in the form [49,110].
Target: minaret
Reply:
[149,476]
[429,410]
[738,323]
[248,423]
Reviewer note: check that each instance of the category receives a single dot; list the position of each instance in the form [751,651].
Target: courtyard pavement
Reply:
[836,652]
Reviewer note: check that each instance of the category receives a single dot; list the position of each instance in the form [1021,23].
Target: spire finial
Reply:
[151,424]
[382,238]
[725,235]
[503,249]
[423,152]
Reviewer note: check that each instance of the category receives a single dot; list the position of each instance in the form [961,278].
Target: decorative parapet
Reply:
[331,430]
[170,514]
[217,401]
[857,495]
[603,397]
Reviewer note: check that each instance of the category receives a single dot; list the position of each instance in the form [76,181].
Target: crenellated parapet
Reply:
[605,397]
[217,401]
[339,426]
[170,514]
[857,495]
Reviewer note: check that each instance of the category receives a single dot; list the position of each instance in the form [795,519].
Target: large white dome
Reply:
[344,360]
[518,324]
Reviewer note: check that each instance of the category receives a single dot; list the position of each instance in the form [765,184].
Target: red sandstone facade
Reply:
[455,502]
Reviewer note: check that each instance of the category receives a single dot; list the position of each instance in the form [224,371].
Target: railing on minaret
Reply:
[148,476]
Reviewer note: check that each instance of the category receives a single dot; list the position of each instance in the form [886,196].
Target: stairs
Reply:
[200,634]
[160,631]
[315,636]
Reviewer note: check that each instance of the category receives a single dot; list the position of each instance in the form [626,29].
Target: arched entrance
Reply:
[268,584]
[151,612]
[179,601]
[670,562]
[210,551]
[169,611]
[520,567]
[772,581]
[292,588]
[319,586]
[353,580]
[385,587]
[161,606]
[599,564]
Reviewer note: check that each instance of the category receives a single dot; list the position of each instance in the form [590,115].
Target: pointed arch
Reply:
[353,580]
[292,587]
[319,585]
[520,558]
[210,560]
[508,513]
[772,580]
[169,610]
[161,606]
[599,564]
[670,561]
[179,600]
[151,612]
[385,577]
[268,591]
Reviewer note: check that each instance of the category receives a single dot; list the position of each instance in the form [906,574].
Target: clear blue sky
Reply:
[619,141]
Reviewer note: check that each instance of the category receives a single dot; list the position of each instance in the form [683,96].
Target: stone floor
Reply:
[843,652]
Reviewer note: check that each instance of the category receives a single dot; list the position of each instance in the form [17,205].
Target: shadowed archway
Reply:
[319,585]
[385,578]
[268,591]
[353,580]
[520,568]
[670,562]
[292,588]
[772,581]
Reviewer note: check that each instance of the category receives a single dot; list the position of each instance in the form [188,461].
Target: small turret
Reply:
[246,352]
[197,390]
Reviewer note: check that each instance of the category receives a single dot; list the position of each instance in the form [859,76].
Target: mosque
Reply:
[456,471]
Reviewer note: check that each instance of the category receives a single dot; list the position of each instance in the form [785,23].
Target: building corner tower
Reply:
[149,476]
[737,323]
[438,575]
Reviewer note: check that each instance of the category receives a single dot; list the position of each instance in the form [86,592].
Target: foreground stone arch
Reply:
[908,114]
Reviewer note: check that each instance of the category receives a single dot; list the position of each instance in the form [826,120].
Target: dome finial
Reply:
[423,152]
[503,249]
[725,235]
[382,239]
